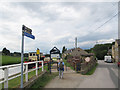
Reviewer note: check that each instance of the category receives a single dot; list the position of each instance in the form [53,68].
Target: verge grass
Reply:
[92,70]
[67,64]
[15,83]
[44,79]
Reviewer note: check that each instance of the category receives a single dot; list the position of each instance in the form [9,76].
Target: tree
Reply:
[64,49]
[5,51]
[100,50]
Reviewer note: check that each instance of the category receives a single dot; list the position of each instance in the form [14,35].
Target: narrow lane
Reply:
[105,76]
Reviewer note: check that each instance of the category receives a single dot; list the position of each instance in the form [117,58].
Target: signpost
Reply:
[25,32]
[54,55]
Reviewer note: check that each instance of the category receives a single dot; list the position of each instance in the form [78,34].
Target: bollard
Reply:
[6,77]
[26,73]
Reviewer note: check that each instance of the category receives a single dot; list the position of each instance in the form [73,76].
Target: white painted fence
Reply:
[6,77]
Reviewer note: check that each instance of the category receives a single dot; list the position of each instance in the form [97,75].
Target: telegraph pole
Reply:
[76,42]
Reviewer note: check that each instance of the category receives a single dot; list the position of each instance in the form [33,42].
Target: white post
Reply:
[42,66]
[36,68]
[26,73]
[6,78]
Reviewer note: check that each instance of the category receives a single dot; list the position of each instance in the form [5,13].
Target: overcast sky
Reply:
[57,24]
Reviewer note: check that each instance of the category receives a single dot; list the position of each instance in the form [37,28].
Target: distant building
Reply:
[33,56]
[116,50]
[77,52]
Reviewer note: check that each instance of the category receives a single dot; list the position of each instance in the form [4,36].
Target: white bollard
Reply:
[36,68]
[26,73]
[6,77]
[42,66]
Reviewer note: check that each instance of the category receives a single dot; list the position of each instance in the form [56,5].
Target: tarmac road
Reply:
[105,76]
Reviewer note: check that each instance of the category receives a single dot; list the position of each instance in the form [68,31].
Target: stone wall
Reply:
[87,66]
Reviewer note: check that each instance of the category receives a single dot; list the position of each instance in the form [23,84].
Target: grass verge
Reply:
[44,79]
[92,70]
[67,64]
[14,83]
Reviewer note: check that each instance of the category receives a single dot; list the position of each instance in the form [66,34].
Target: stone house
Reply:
[116,50]
[77,53]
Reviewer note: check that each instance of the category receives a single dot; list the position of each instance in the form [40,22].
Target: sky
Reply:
[57,24]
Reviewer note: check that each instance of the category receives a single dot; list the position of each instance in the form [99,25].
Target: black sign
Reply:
[55,52]
[26,29]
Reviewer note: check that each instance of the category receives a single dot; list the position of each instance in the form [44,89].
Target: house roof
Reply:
[80,51]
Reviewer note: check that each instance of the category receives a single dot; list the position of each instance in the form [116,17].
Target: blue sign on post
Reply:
[29,35]
[25,32]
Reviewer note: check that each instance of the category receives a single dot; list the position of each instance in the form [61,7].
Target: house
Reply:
[68,52]
[116,50]
[77,52]
[33,56]
[77,56]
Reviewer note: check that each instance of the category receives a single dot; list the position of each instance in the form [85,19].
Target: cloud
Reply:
[56,24]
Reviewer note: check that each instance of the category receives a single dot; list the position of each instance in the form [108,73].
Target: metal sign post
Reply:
[25,32]
[22,51]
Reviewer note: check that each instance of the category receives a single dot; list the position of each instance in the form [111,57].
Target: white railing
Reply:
[6,78]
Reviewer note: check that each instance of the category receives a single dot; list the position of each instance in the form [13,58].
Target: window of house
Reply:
[78,50]
[116,49]
[30,54]
[33,54]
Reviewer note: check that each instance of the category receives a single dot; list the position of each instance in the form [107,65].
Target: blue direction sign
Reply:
[29,35]
[25,32]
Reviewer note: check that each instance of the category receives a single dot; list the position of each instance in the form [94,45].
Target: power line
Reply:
[107,21]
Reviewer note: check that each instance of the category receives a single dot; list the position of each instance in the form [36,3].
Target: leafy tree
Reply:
[100,50]
[47,55]
[64,49]
[5,51]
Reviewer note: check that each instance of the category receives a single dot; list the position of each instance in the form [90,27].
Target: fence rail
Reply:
[6,78]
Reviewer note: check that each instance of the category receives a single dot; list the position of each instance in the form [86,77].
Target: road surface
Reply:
[105,76]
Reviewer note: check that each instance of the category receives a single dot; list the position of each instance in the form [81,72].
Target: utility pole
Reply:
[75,42]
